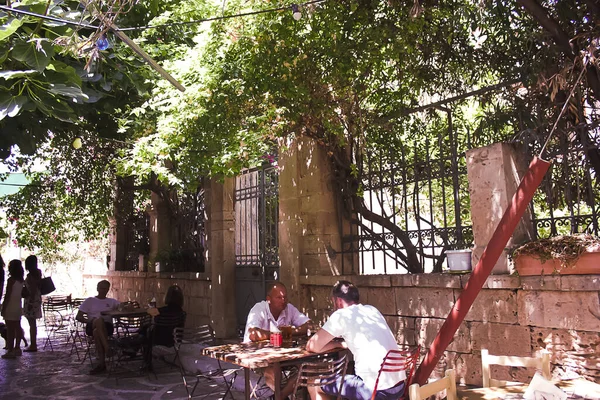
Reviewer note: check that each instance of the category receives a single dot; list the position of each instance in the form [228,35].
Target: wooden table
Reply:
[575,389]
[136,312]
[260,355]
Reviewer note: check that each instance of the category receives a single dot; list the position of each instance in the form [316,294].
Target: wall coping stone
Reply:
[358,280]
[564,283]
[157,275]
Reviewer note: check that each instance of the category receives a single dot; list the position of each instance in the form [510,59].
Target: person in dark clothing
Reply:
[1,278]
[166,318]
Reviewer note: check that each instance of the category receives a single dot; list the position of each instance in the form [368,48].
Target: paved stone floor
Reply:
[59,375]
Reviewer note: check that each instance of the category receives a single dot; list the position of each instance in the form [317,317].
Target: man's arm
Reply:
[322,341]
[257,334]
[81,316]
[301,330]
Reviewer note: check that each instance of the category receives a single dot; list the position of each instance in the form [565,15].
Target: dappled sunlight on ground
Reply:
[59,375]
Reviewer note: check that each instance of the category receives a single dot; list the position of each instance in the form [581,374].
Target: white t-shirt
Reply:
[260,317]
[369,338]
[93,307]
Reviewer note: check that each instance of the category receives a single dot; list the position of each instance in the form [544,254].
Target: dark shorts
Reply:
[355,389]
[89,328]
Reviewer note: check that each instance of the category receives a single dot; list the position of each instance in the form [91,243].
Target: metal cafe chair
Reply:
[57,319]
[398,360]
[201,336]
[542,363]
[161,328]
[448,383]
[128,344]
[77,329]
[128,326]
[319,373]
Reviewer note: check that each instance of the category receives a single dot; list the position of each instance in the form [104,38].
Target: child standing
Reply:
[12,310]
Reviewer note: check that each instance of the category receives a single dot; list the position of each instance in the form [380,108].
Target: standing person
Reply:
[369,338]
[11,309]
[97,325]
[278,312]
[1,278]
[32,305]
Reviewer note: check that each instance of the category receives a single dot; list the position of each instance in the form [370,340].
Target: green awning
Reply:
[13,183]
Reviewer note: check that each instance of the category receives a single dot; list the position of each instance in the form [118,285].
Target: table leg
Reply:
[247,390]
[277,377]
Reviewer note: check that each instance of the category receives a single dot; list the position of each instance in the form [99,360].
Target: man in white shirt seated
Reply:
[275,311]
[367,335]
[97,325]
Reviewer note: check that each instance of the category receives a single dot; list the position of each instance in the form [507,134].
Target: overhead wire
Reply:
[146,27]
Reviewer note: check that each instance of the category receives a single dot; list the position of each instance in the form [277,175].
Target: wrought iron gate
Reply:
[256,236]
[422,189]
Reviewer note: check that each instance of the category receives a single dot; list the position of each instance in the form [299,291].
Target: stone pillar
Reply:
[160,231]
[494,173]
[309,225]
[220,228]
[290,221]
[118,227]
[117,239]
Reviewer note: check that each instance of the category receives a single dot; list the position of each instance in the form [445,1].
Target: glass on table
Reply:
[286,334]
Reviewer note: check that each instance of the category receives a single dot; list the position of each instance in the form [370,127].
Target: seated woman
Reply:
[166,318]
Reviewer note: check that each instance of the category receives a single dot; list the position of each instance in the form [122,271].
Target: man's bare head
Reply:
[103,287]
[277,298]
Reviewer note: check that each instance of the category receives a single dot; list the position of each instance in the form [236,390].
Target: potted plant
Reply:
[564,255]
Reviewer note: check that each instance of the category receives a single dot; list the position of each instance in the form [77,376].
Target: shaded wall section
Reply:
[512,315]
[142,286]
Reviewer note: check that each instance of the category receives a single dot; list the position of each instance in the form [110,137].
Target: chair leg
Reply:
[49,334]
[187,385]
[258,388]
[229,386]
[75,337]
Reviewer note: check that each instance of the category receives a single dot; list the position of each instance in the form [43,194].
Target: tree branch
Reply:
[550,25]
[412,261]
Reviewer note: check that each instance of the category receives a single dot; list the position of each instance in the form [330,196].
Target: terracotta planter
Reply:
[588,263]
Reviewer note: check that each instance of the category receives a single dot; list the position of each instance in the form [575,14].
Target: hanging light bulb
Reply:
[102,43]
[77,143]
[296,14]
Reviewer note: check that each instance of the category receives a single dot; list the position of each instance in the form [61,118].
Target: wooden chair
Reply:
[319,373]
[396,361]
[417,392]
[542,363]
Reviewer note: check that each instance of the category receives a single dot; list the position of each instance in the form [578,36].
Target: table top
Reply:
[575,389]
[136,312]
[257,354]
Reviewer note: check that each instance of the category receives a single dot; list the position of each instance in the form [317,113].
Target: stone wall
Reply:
[511,316]
[141,286]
